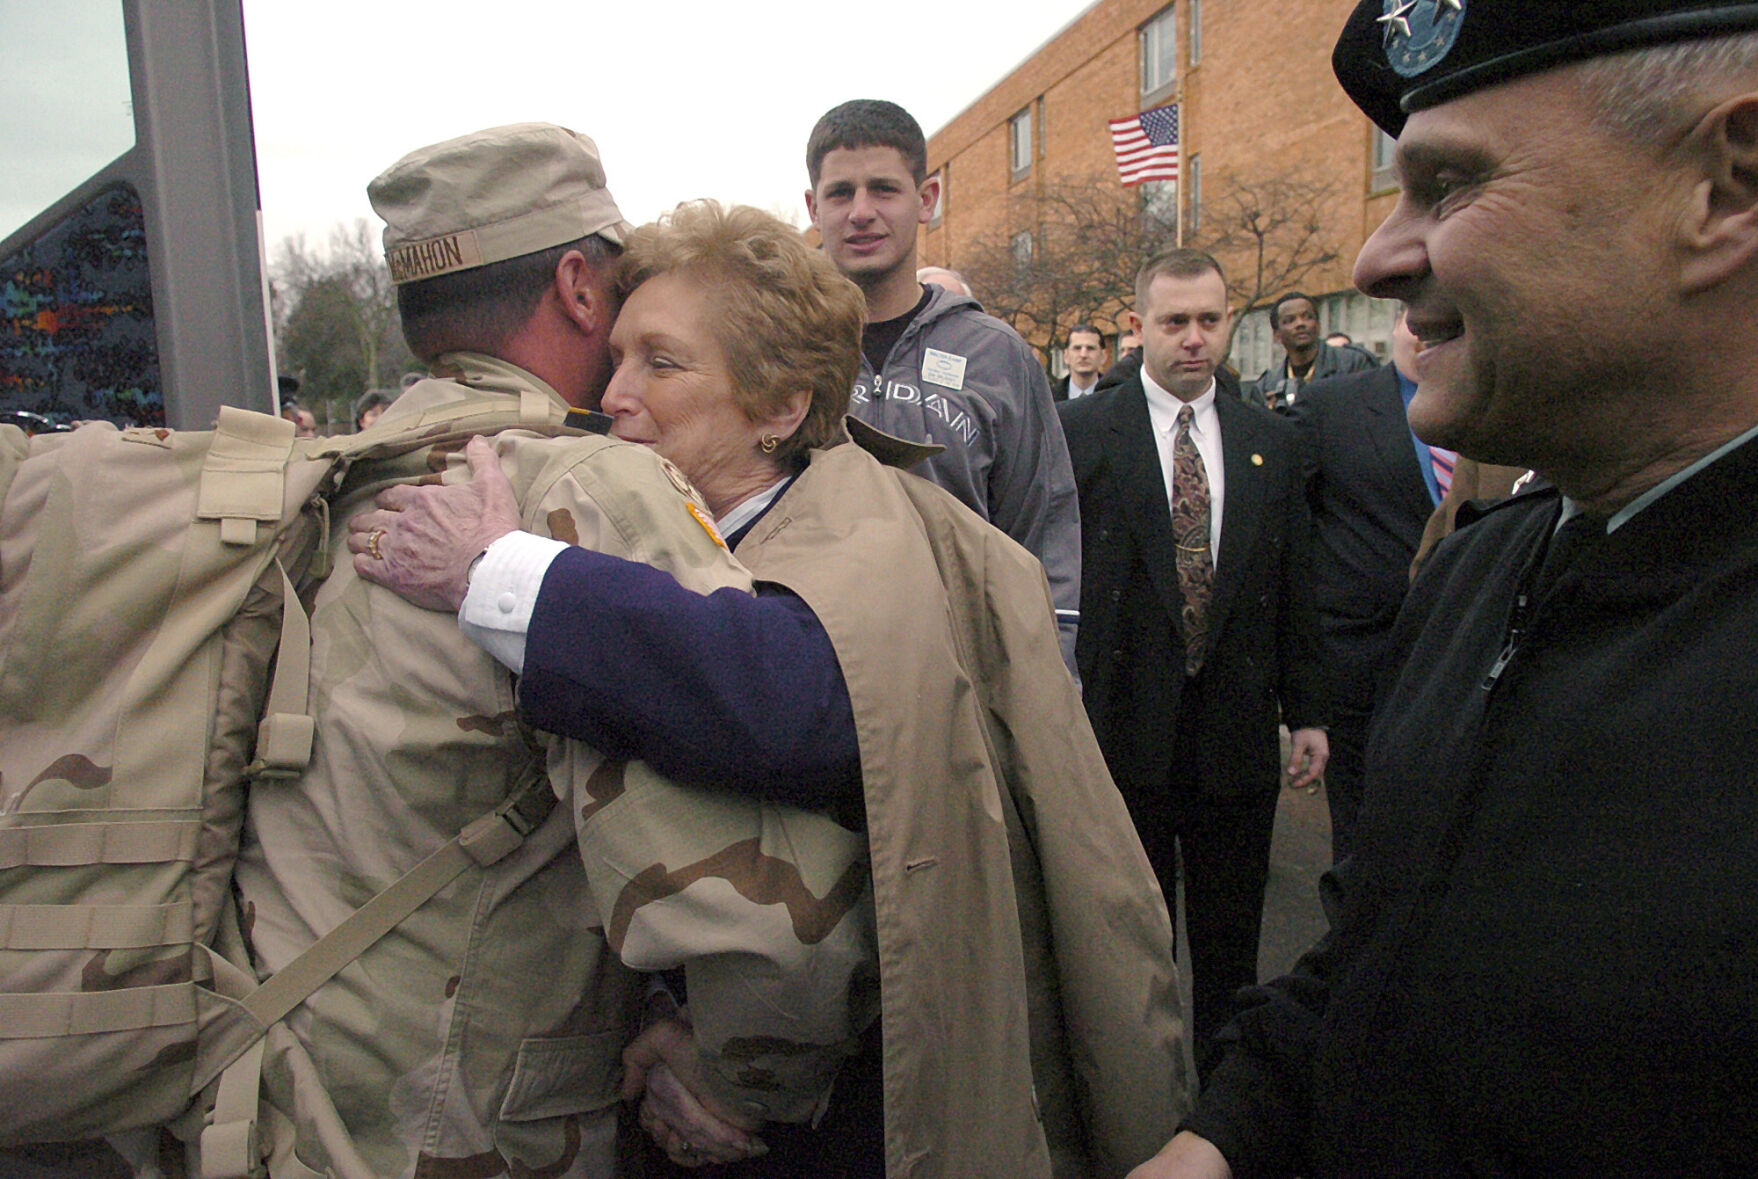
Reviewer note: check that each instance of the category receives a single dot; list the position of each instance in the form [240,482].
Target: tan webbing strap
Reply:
[78,1013]
[481,843]
[74,845]
[243,478]
[283,739]
[482,414]
[95,927]
[231,1147]
[535,409]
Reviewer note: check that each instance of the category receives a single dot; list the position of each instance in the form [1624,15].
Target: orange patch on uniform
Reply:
[702,518]
[563,526]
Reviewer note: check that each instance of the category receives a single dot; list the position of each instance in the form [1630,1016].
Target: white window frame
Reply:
[1384,176]
[1194,175]
[1159,52]
[1019,142]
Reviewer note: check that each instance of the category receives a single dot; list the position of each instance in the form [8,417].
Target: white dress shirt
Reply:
[496,612]
[1205,431]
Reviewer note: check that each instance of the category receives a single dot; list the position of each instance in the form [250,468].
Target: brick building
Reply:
[1261,118]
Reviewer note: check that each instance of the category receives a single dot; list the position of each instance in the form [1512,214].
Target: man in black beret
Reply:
[1543,957]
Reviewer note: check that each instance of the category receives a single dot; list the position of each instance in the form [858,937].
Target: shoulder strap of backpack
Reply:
[231,1144]
[456,420]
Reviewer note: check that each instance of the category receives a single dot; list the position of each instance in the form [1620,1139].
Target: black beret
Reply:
[1398,56]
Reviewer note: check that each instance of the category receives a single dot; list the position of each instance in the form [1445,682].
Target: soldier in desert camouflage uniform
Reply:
[482,1036]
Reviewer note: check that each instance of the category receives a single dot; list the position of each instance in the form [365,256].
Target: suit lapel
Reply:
[1390,430]
[1242,508]
[1149,515]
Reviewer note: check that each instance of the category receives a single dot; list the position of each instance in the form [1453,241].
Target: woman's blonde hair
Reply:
[788,319]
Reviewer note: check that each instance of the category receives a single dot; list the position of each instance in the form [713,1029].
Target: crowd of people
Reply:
[892,697]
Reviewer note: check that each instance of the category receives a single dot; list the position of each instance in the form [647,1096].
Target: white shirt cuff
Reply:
[496,612]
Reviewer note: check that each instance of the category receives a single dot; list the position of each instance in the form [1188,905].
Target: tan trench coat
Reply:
[1032,1022]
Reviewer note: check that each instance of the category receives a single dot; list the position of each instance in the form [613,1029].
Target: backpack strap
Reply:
[231,1146]
[283,739]
[452,420]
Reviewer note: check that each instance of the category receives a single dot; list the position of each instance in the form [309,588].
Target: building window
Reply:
[1160,205]
[1195,8]
[1383,174]
[1043,132]
[1253,343]
[1019,134]
[1159,53]
[945,175]
[1194,173]
[1022,247]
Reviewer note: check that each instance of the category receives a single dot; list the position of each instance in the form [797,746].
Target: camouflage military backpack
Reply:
[149,584]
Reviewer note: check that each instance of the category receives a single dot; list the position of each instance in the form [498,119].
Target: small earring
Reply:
[769,442]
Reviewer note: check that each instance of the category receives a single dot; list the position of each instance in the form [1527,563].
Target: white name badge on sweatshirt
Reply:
[943,369]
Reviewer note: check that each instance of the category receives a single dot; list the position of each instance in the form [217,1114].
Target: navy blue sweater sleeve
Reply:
[726,691]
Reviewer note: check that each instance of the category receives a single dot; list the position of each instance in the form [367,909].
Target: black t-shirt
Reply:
[877,338]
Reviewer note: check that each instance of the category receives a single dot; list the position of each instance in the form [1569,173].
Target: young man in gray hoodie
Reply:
[936,368]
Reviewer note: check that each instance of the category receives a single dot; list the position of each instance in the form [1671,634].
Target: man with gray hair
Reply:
[1543,957]
[483,1035]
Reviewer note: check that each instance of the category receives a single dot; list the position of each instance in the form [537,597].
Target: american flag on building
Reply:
[1147,145]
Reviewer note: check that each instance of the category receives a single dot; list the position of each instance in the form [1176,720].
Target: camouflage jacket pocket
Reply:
[555,1076]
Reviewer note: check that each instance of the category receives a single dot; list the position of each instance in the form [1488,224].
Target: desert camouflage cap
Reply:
[492,195]
[1399,56]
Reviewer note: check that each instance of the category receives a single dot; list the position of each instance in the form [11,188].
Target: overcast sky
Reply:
[686,98]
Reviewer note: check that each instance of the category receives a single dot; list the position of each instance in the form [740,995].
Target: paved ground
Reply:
[1300,854]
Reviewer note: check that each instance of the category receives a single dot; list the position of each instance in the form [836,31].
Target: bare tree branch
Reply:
[1089,236]
[335,316]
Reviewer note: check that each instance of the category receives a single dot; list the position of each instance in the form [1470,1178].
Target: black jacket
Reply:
[1330,362]
[1544,952]
[1262,648]
[1369,505]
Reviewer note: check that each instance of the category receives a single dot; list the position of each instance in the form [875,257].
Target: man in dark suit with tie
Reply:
[1371,485]
[1084,357]
[1197,625]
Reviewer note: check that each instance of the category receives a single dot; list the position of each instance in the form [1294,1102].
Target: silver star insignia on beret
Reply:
[1398,19]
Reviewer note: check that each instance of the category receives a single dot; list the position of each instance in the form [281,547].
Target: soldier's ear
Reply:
[583,293]
[1720,231]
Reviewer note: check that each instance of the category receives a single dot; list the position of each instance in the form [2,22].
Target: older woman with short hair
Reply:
[899,670]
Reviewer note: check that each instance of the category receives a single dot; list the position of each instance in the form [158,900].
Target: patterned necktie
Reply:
[1443,460]
[1190,533]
